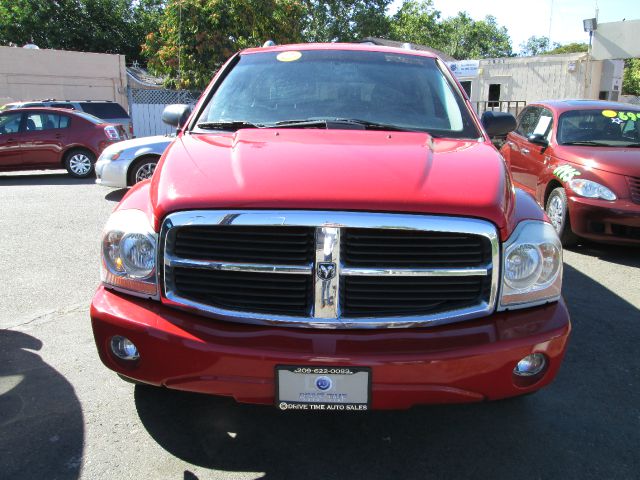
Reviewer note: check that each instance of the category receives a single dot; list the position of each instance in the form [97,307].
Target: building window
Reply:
[466,86]
[494,95]
[603,96]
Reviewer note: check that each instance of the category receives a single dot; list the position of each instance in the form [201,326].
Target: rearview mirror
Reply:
[177,114]
[498,123]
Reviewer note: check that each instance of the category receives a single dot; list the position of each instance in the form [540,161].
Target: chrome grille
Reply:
[329,269]
[634,187]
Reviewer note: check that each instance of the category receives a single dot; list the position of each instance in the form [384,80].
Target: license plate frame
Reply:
[353,382]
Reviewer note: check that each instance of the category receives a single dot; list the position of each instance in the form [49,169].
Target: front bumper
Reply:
[112,173]
[611,222]
[463,362]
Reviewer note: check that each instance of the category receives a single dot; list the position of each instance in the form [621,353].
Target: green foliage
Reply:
[631,78]
[107,26]
[188,40]
[197,36]
[417,22]
[537,46]
[344,20]
[569,48]
[468,38]
[460,37]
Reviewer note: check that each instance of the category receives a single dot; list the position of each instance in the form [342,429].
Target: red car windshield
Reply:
[377,90]
[600,128]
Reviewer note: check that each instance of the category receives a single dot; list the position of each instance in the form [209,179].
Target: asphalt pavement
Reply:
[65,416]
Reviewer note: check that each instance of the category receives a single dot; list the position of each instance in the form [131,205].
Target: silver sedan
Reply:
[126,163]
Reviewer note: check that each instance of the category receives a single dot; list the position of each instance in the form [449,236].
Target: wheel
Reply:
[558,213]
[79,163]
[142,169]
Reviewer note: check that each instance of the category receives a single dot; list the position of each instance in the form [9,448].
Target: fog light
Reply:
[530,365]
[123,348]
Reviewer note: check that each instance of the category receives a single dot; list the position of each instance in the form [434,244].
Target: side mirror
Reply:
[538,139]
[498,123]
[176,115]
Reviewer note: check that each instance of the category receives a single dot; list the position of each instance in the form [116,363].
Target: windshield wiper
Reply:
[378,126]
[336,122]
[231,125]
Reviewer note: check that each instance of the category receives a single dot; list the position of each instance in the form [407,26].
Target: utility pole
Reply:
[550,22]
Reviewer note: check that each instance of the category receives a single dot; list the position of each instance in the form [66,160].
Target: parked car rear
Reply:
[51,138]
[111,112]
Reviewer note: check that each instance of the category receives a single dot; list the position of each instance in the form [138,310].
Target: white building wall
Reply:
[537,78]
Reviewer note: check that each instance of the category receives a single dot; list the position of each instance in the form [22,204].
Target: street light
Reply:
[590,25]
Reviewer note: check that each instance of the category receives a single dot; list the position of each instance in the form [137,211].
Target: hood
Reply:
[622,161]
[145,141]
[332,170]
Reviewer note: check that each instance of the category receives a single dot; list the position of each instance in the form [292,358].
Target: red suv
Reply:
[332,229]
[50,138]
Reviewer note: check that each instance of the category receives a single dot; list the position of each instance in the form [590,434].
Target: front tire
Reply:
[79,163]
[557,209]
[142,169]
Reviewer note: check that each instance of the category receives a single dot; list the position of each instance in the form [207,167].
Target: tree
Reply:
[345,20]
[106,26]
[569,48]
[460,37]
[417,22]
[468,38]
[536,46]
[196,36]
[631,78]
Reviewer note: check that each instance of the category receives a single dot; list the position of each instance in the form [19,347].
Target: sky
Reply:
[561,20]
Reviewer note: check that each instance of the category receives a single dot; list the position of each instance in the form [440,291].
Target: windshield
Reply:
[377,90]
[604,128]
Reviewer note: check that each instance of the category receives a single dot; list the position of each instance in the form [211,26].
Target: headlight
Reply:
[110,155]
[129,253]
[532,266]
[589,189]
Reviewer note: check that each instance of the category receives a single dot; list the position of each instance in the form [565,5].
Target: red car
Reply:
[580,159]
[332,229]
[52,138]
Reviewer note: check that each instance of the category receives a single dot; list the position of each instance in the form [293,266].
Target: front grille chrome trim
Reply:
[327,221]
[415,272]
[172,261]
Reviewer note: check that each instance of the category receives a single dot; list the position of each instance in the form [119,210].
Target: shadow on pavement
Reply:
[41,423]
[116,195]
[585,425]
[42,178]
[621,255]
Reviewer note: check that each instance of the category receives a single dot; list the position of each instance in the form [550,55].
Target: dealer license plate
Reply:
[322,388]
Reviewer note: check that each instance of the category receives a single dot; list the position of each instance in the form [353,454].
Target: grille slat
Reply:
[634,187]
[275,245]
[387,296]
[389,248]
[246,291]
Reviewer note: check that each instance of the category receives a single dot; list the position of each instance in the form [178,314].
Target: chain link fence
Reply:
[147,105]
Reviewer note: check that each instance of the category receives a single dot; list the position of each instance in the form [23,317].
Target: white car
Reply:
[126,163]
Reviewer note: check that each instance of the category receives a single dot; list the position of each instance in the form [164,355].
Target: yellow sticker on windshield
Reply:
[621,117]
[290,56]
